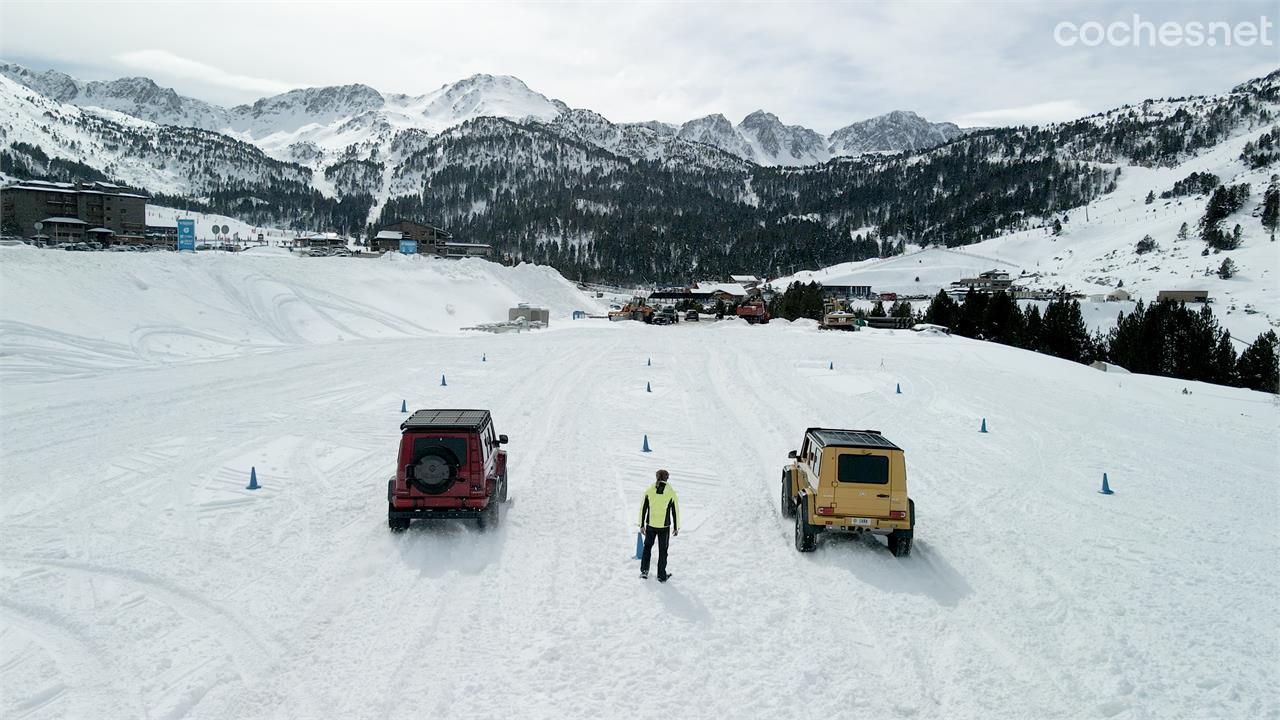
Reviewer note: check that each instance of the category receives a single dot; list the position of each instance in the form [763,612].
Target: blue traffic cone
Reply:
[984,425]
[899,390]
[648,387]
[646,445]
[831,365]
[484,358]
[639,546]
[253,479]
[442,382]
[1106,488]
[404,406]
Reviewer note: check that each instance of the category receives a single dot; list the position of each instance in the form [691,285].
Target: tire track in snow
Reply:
[90,684]
[250,654]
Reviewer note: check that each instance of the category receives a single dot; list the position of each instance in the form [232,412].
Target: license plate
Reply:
[861,521]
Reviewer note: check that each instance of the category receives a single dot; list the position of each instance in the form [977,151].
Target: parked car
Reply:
[852,481]
[691,316]
[668,314]
[450,465]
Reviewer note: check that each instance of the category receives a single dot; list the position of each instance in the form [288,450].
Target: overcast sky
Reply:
[822,65]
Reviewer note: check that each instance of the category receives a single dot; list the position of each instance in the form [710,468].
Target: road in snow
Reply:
[138,578]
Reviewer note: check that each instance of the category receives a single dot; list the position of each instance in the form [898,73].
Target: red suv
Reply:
[450,466]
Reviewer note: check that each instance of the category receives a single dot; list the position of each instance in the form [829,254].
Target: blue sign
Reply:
[187,235]
[408,247]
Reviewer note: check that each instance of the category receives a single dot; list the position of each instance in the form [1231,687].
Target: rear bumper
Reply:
[440,513]
[853,524]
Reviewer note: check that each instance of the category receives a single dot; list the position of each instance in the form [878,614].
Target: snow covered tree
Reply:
[1182,233]
[970,320]
[1227,269]
[1057,226]
[1064,333]
[1003,321]
[1145,245]
[1226,199]
[1151,197]
[941,310]
[877,310]
[1258,368]
[1224,360]
[1032,326]
[1271,210]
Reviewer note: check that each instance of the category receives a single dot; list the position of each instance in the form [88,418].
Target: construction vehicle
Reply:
[753,311]
[636,309]
[836,317]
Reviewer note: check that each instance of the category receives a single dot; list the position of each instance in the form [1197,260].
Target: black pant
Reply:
[663,535]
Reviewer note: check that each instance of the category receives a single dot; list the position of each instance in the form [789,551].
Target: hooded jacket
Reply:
[660,508]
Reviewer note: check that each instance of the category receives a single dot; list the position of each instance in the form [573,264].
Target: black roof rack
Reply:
[851,438]
[446,420]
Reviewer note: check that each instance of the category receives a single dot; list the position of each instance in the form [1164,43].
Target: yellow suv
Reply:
[849,480]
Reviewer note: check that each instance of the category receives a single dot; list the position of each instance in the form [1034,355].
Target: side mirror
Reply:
[792,454]
[502,439]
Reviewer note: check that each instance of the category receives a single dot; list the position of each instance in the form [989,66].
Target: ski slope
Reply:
[1096,251]
[138,578]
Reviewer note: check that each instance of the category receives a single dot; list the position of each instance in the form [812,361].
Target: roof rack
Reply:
[446,420]
[833,437]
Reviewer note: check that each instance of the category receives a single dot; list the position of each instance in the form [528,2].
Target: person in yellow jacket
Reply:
[659,520]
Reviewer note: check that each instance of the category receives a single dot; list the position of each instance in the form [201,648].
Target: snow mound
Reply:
[70,313]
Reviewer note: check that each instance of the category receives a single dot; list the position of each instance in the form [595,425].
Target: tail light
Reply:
[823,510]
[898,514]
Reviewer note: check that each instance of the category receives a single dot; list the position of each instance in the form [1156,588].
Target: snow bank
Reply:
[84,311]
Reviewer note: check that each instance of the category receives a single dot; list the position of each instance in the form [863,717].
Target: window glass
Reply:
[455,445]
[863,469]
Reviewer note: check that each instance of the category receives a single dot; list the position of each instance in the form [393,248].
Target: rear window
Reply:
[864,469]
[455,445]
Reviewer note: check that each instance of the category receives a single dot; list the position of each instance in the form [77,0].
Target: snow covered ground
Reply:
[138,578]
[239,230]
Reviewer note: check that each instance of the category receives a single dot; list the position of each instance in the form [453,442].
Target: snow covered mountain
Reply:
[1097,251]
[773,143]
[136,96]
[898,131]
[716,130]
[317,126]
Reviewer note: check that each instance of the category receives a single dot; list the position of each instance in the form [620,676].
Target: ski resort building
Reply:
[429,239]
[728,292]
[328,240]
[847,292]
[74,212]
[1200,296]
[989,281]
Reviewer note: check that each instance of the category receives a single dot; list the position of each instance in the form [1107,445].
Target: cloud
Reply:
[1037,114]
[822,65]
[163,62]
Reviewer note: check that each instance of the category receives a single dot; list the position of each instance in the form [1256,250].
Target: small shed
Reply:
[529,314]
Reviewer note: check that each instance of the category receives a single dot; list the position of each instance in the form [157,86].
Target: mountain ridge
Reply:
[760,137]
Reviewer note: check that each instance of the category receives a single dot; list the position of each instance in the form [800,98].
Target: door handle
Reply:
[881,495]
